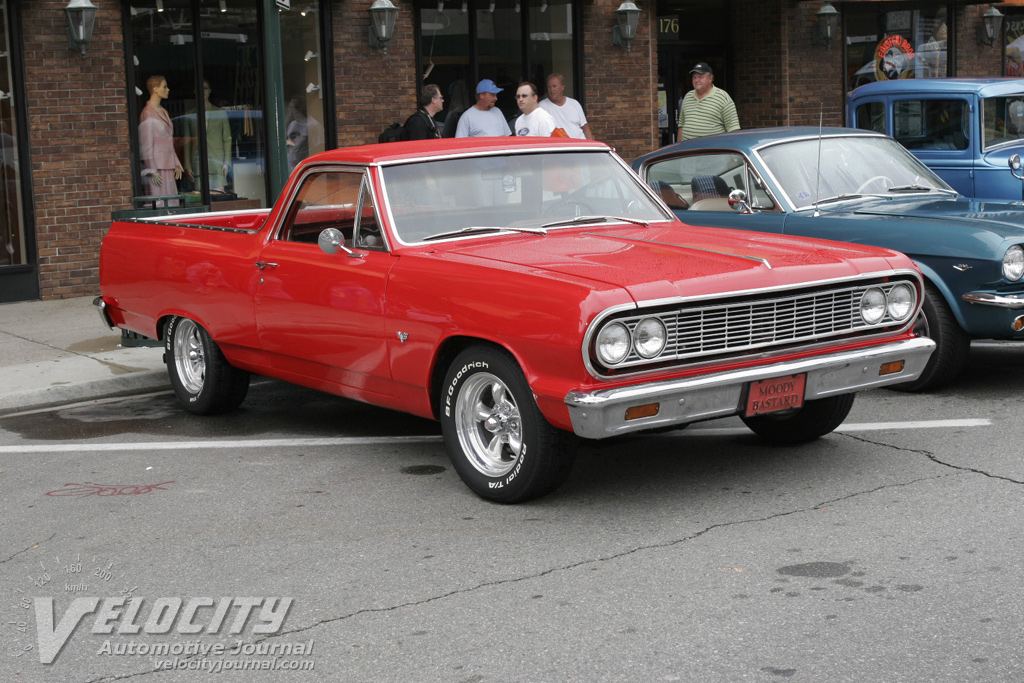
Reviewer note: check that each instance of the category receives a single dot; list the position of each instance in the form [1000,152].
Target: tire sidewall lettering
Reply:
[453,385]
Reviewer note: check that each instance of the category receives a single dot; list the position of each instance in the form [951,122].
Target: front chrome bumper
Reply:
[602,413]
[1000,300]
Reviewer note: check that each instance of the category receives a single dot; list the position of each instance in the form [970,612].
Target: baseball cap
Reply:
[487,85]
[701,68]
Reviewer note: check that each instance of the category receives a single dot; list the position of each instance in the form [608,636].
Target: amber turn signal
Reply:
[891,368]
[636,412]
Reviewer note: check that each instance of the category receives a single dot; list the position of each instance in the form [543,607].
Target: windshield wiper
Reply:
[919,188]
[483,229]
[580,220]
[837,198]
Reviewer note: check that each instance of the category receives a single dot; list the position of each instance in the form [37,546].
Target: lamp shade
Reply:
[628,15]
[81,18]
[383,14]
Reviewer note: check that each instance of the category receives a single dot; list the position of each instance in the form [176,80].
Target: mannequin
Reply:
[218,144]
[161,168]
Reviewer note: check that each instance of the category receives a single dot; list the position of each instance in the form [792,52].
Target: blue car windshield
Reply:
[850,165]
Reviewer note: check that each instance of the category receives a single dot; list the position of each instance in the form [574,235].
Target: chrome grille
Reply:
[735,327]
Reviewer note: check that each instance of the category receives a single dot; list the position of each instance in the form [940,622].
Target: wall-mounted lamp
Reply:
[382,23]
[223,5]
[159,5]
[628,16]
[991,28]
[490,8]
[81,16]
[309,55]
[465,6]
[517,7]
[828,24]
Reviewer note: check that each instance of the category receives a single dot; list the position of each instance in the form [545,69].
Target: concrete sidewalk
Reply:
[60,351]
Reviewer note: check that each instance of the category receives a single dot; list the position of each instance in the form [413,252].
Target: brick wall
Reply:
[622,87]
[973,59]
[373,90]
[79,148]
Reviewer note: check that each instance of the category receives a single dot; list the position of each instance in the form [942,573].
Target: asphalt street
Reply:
[888,551]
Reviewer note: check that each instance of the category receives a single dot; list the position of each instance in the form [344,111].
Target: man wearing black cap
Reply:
[706,110]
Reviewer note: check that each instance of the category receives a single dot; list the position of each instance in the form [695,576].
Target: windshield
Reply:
[1003,119]
[849,166]
[454,198]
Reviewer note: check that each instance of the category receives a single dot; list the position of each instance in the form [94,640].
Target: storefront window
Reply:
[305,114]
[1013,65]
[463,42]
[887,45]
[181,163]
[15,247]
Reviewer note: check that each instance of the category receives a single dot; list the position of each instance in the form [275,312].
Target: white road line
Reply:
[219,443]
[862,427]
[371,440]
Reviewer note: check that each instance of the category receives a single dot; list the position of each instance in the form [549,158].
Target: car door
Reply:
[938,131]
[319,315]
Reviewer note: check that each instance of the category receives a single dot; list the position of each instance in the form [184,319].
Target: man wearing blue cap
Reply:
[482,119]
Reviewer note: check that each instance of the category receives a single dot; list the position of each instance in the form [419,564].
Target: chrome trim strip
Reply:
[600,413]
[757,259]
[1013,301]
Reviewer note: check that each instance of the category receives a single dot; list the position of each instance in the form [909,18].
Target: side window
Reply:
[1004,119]
[368,235]
[871,116]
[325,200]
[931,124]
[703,182]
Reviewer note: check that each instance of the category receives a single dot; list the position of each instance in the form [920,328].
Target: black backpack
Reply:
[396,132]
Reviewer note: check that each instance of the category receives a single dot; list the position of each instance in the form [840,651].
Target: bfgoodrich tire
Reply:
[204,382]
[815,419]
[952,344]
[498,440]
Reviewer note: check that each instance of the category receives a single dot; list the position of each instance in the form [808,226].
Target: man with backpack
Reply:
[421,125]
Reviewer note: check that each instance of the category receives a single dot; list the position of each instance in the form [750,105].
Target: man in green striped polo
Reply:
[706,110]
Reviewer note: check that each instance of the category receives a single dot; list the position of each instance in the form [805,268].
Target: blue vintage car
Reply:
[857,186]
[964,129]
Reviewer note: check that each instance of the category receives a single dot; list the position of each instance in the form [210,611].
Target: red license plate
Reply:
[778,393]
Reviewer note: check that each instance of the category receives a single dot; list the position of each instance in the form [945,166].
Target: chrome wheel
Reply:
[488,423]
[189,356]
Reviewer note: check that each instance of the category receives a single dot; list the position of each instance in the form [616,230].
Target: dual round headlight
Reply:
[615,341]
[1013,263]
[898,303]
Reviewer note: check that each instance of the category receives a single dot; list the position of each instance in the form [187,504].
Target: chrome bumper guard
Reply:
[989,299]
[602,413]
[101,306]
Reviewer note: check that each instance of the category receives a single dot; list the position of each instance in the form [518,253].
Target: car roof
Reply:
[419,149]
[985,87]
[752,138]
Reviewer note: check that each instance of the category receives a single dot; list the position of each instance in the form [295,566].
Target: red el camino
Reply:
[524,292]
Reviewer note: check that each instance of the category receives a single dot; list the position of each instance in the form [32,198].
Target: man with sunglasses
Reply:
[534,121]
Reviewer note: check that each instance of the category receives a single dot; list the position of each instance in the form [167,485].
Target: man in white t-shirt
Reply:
[535,121]
[567,112]
[483,119]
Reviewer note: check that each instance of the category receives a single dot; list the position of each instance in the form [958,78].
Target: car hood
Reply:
[679,260]
[1000,217]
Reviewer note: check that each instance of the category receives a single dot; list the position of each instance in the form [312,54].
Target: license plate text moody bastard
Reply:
[778,393]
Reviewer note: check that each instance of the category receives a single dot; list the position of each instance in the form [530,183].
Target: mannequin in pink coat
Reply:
[161,168]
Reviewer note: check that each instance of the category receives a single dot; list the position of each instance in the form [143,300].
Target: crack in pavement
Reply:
[931,456]
[551,570]
[31,547]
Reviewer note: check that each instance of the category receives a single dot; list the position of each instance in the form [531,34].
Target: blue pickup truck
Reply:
[964,129]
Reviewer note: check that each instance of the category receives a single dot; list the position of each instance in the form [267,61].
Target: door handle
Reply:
[264,264]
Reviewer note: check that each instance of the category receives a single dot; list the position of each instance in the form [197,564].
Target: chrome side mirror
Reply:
[1014,162]
[738,202]
[331,241]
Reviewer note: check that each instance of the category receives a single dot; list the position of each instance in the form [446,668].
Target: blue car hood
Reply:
[999,217]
